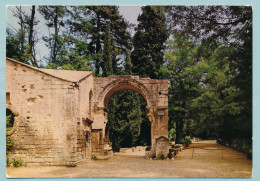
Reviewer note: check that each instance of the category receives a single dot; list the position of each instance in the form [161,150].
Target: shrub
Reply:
[8,162]
[17,162]
[172,134]
[9,143]
[186,140]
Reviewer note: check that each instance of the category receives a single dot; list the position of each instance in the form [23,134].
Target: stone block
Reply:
[162,147]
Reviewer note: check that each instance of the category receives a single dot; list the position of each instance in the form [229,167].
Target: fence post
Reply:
[192,152]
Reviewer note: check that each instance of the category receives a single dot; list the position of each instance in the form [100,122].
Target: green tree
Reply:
[107,68]
[225,37]
[149,39]
[54,17]
[94,23]
[185,75]
[128,63]
[20,43]
[128,125]
[9,126]
[12,45]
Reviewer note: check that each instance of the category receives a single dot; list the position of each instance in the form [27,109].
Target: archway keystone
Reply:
[155,93]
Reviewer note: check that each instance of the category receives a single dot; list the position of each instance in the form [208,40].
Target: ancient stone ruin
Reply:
[60,115]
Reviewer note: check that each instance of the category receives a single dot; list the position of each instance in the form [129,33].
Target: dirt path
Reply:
[206,162]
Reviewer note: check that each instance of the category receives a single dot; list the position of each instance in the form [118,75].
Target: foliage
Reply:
[186,140]
[8,162]
[55,42]
[20,43]
[128,125]
[9,119]
[9,143]
[149,39]
[172,134]
[8,122]
[106,32]
[210,73]
[128,63]
[185,75]
[12,45]
[108,67]
[9,125]
[17,162]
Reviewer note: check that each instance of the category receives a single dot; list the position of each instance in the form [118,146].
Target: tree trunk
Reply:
[30,38]
[22,37]
[179,128]
[56,35]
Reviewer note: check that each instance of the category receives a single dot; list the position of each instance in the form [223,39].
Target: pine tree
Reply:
[107,68]
[128,63]
[94,22]
[128,123]
[54,19]
[151,34]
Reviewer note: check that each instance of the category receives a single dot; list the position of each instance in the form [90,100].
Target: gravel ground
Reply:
[207,162]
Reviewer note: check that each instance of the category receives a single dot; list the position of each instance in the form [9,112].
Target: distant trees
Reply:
[128,124]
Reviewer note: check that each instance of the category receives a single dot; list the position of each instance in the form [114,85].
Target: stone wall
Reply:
[46,128]
[99,150]
[84,118]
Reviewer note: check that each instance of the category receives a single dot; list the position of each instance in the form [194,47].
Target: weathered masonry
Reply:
[60,115]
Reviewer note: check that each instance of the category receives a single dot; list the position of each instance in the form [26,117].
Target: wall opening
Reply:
[128,125]
[9,120]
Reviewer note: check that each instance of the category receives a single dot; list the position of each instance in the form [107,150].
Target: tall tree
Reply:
[107,68]
[30,37]
[149,39]
[184,74]
[20,44]
[128,125]
[54,16]
[93,21]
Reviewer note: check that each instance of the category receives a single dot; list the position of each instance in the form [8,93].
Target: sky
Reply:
[130,13]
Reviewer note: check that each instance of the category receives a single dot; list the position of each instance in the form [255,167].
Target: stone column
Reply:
[159,128]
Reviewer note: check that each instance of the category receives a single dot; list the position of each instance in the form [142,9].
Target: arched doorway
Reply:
[128,125]
[154,92]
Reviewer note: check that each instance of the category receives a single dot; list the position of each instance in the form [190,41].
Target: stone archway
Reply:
[155,93]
